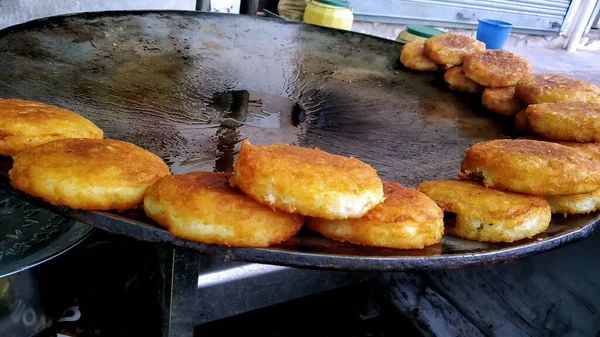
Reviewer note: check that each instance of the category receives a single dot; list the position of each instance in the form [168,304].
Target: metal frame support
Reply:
[593,18]
[580,25]
[198,289]
[249,7]
[203,5]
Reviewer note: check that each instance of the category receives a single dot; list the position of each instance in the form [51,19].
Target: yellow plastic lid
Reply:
[335,3]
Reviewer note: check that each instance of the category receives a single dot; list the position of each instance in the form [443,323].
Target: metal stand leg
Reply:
[195,286]
[179,305]
[249,7]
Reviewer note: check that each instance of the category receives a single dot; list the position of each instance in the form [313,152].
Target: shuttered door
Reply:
[527,16]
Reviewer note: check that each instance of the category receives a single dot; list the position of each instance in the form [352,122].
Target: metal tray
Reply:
[190,86]
[30,235]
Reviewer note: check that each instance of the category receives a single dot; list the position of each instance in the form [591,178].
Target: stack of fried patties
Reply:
[510,187]
[470,68]
[276,188]
[63,158]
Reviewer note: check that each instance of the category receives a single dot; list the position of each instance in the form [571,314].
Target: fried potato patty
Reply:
[307,181]
[532,167]
[501,100]
[90,174]
[592,150]
[203,207]
[456,79]
[568,121]
[450,49]
[26,124]
[575,204]
[496,68]
[413,57]
[488,215]
[547,88]
[407,219]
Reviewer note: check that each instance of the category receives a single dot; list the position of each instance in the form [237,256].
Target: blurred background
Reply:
[549,24]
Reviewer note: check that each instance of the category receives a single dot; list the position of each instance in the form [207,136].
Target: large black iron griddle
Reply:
[190,86]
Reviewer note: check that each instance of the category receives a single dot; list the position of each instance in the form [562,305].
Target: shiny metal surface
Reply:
[205,290]
[190,86]
[30,235]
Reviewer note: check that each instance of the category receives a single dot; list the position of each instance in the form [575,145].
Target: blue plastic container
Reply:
[493,33]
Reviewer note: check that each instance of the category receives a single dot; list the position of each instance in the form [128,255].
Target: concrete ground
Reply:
[582,64]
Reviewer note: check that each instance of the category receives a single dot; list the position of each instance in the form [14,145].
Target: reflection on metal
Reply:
[235,106]
[30,235]
[527,16]
[205,289]
[236,273]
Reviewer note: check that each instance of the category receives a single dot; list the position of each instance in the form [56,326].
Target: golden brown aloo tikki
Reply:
[413,57]
[407,219]
[574,203]
[567,121]
[496,68]
[501,100]
[450,49]
[203,207]
[307,181]
[547,88]
[590,149]
[456,79]
[531,167]
[488,215]
[89,174]
[26,124]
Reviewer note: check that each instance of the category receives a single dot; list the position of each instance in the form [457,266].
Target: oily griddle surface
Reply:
[190,86]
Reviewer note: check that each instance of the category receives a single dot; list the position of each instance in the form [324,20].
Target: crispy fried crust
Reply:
[488,215]
[26,124]
[308,181]
[567,121]
[203,207]
[532,167]
[575,203]
[547,88]
[87,174]
[496,68]
[501,100]
[590,149]
[450,49]
[412,57]
[407,219]
[456,79]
